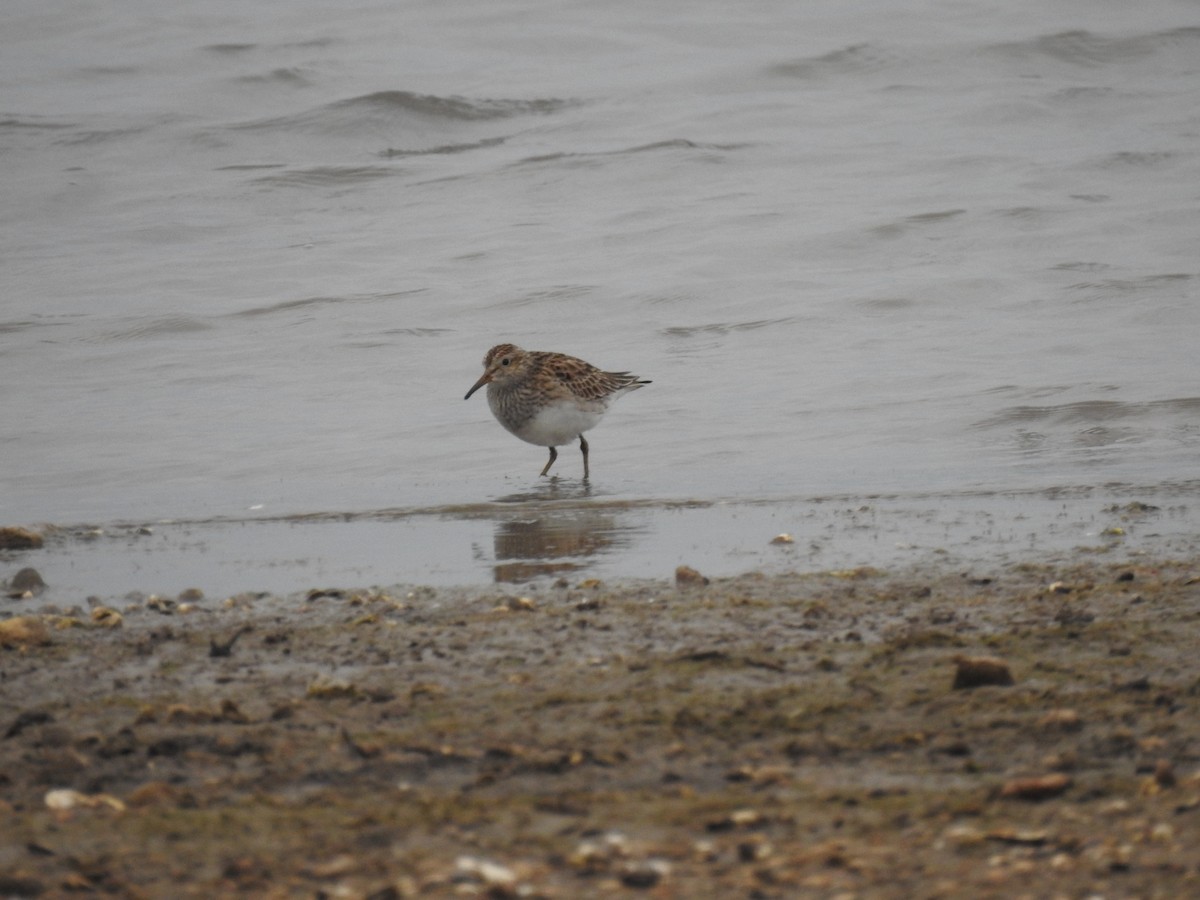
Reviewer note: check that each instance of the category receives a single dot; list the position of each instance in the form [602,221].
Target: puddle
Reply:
[526,537]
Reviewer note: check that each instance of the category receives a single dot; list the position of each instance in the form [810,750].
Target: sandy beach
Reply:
[1026,731]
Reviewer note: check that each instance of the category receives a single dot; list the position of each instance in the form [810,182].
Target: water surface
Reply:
[254,255]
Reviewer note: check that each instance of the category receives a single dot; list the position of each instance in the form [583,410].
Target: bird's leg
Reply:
[553,457]
[584,447]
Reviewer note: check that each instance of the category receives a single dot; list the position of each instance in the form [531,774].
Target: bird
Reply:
[549,399]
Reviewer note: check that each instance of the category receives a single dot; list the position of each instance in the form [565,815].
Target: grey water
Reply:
[252,256]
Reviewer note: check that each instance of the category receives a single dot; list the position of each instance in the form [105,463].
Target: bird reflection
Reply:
[553,543]
[550,490]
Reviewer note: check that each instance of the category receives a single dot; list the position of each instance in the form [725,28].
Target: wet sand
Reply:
[758,736]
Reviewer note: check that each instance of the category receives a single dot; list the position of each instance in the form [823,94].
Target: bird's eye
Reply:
[505,361]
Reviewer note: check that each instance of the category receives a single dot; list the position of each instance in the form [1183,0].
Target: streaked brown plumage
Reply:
[549,398]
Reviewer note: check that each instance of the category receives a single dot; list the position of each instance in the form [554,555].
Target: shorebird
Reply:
[549,399]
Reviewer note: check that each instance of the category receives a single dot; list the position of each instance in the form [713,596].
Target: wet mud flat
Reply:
[1031,730]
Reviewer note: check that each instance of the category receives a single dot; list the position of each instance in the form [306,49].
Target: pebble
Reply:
[1041,787]
[13,537]
[26,583]
[62,799]
[23,631]
[645,873]
[163,605]
[325,688]
[1164,773]
[106,618]
[494,875]
[976,671]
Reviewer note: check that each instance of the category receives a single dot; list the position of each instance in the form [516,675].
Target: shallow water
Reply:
[253,255]
[561,531]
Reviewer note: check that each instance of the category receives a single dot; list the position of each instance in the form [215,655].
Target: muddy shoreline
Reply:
[758,737]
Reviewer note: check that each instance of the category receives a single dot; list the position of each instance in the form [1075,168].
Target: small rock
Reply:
[739,818]
[686,576]
[106,618]
[754,849]
[1041,787]
[164,605]
[26,583]
[332,689]
[322,593]
[645,874]
[64,799]
[16,538]
[23,631]
[1164,774]
[783,539]
[494,875]
[976,671]
[595,856]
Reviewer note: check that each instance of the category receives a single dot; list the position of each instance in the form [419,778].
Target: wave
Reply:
[846,60]
[1125,159]
[1091,413]
[34,123]
[653,147]
[1087,49]
[230,48]
[689,331]
[320,176]
[13,327]
[290,76]
[1077,48]
[1123,287]
[397,107]
[288,306]
[392,152]
[154,327]
[918,220]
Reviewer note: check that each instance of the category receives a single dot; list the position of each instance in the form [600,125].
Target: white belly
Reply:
[558,424]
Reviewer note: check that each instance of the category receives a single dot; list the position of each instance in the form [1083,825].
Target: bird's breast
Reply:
[549,424]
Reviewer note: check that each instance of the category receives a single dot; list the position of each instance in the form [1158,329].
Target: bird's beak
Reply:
[486,377]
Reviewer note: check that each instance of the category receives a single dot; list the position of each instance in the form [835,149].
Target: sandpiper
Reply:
[549,399]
